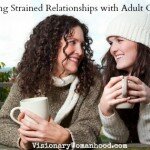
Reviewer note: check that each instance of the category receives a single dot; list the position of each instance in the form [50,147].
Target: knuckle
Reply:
[144,98]
[42,128]
[142,93]
[140,88]
[43,124]
[42,139]
[110,104]
[118,91]
[42,135]
[112,79]
[105,88]
[138,80]
[137,93]
[108,97]
[27,123]
[25,141]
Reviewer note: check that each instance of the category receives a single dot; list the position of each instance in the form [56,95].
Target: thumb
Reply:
[51,120]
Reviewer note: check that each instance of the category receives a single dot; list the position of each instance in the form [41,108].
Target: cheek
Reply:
[132,51]
[132,57]
[69,49]
[61,57]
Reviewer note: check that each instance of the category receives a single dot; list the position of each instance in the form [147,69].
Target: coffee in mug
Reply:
[37,105]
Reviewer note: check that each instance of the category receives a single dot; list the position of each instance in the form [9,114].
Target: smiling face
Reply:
[69,64]
[124,52]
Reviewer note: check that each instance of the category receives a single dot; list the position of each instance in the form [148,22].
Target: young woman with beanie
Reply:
[57,63]
[129,55]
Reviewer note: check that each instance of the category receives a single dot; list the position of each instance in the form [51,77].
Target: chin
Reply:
[123,68]
[72,70]
[120,67]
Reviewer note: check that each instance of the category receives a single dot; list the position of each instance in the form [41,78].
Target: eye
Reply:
[72,42]
[119,40]
[110,43]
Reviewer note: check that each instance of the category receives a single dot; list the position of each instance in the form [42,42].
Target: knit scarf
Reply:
[71,99]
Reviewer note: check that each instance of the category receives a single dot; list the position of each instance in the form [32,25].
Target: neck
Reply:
[60,74]
[129,71]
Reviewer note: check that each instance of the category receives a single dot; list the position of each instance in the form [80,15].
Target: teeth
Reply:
[74,59]
[119,56]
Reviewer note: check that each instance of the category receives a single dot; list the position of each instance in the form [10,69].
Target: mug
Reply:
[124,105]
[37,105]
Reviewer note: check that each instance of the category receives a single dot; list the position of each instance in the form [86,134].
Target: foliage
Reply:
[6,77]
[2,65]
[4,93]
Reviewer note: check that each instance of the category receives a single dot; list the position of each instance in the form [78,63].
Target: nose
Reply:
[114,48]
[79,50]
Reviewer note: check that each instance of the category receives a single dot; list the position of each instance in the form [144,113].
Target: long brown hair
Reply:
[41,51]
[141,68]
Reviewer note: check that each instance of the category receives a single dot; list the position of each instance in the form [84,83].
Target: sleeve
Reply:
[86,128]
[8,129]
[144,123]
[114,128]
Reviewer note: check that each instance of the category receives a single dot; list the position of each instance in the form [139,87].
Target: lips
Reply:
[118,57]
[74,59]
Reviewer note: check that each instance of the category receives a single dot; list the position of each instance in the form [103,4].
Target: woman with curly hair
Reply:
[129,55]
[57,62]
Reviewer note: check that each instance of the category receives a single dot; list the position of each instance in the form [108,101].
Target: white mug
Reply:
[124,105]
[37,105]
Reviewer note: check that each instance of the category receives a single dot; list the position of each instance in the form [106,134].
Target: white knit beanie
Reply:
[134,26]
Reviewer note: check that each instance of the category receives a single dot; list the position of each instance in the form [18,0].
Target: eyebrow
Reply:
[76,39]
[115,37]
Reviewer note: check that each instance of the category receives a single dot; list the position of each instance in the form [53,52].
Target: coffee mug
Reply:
[124,105]
[37,105]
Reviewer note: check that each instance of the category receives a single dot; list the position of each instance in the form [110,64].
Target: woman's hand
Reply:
[109,98]
[139,90]
[24,144]
[43,131]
